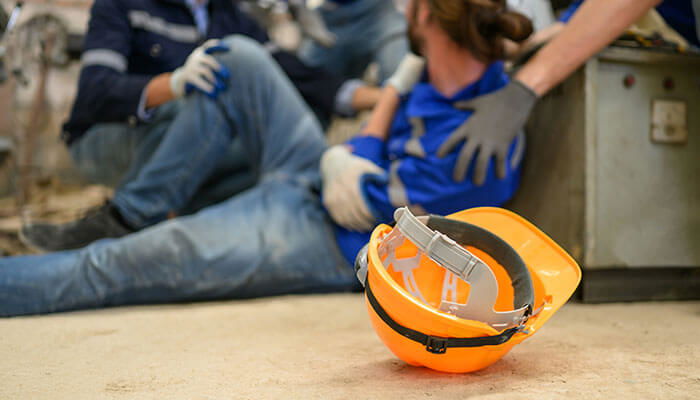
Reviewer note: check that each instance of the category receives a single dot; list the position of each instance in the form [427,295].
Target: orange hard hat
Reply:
[456,293]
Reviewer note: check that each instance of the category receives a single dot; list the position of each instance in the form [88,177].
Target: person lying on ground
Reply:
[298,228]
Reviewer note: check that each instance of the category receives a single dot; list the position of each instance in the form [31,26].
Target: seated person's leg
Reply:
[105,153]
[272,239]
[259,103]
[332,58]
[259,100]
[111,153]
[232,176]
[366,31]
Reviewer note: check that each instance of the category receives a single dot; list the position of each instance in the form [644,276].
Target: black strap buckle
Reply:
[436,345]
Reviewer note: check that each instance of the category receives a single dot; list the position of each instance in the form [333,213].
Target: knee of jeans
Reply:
[245,54]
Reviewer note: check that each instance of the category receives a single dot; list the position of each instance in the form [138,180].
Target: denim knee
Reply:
[244,55]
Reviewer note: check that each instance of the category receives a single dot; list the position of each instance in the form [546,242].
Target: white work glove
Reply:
[407,74]
[201,72]
[342,194]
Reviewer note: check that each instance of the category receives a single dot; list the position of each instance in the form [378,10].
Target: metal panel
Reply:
[646,196]
[552,190]
[594,180]
[635,284]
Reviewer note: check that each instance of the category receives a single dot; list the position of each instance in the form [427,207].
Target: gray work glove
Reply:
[498,118]
[311,24]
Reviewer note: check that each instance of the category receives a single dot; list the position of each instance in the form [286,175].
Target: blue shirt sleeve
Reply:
[427,185]
[369,147]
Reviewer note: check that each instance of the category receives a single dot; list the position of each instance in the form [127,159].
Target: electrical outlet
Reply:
[669,121]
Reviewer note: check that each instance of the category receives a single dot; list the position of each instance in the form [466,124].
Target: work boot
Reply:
[97,223]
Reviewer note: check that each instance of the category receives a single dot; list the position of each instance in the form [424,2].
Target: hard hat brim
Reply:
[557,272]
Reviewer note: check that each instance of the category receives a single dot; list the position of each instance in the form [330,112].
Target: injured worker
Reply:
[298,228]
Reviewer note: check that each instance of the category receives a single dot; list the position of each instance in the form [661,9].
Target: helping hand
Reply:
[498,118]
[201,72]
[342,193]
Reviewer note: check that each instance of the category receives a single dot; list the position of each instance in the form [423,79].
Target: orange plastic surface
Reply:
[554,273]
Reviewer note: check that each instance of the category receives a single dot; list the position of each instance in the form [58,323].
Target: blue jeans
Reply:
[367,31]
[273,238]
[112,154]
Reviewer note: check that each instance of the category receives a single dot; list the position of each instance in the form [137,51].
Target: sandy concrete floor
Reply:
[322,347]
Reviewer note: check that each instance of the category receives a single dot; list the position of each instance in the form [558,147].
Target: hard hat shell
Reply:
[555,275]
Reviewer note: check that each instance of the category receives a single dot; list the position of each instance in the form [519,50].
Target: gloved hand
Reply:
[407,74]
[311,24]
[498,118]
[201,72]
[342,194]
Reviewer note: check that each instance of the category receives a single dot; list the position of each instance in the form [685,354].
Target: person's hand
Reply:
[311,24]
[498,118]
[407,74]
[342,193]
[201,72]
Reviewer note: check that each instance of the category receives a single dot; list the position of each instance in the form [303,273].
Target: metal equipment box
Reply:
[612,173]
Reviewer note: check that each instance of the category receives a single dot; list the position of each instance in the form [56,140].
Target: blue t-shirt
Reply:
[680,15]
[415,176]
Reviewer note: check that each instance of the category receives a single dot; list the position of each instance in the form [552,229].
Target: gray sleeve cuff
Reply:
[142,113]
[343,99]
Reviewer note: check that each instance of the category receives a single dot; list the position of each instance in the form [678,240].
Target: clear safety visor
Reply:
[459,262]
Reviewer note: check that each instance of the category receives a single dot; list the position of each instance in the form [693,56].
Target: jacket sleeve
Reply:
[106,92]
[426,185]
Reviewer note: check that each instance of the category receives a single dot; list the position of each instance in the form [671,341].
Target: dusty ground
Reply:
[322,347]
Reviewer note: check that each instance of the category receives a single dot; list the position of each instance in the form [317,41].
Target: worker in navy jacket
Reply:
[127,95]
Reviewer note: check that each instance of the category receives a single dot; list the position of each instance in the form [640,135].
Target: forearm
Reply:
[400,83]
[366,97]
[380,121]
[595,25]
[514,50]
[158,91]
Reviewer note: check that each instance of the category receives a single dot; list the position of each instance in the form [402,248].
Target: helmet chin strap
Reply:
[458,261]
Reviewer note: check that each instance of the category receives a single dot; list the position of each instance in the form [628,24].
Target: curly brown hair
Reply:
[480,25]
